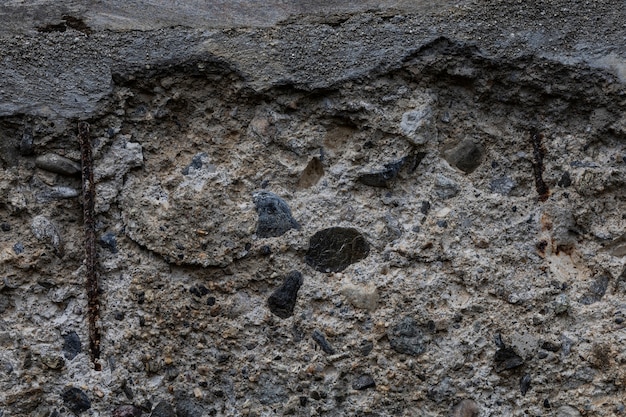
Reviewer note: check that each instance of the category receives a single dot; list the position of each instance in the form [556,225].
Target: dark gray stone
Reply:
[71,345]
[320,339]
[363,382]
[58,164]
[275,217]
[445,188]
[27,142]
[163,409]
[127,411]
[271,390]
[18,248]
[406,337]
[524,384]
[336,248]
[5,227]
[502,185]
[76,400]
[596,290]
[283,300]
[5,303]
[384,177]
[505,357]
[365,347]
[109,241]
[442,391]
[196,163]
[186,407]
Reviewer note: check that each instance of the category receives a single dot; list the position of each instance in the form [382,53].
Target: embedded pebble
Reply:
[596,290]
[5,303]
[567,411]
[363,382]
[406,337]
[5,227]
[196,163]
[27,142]
[466,408]
[275,217]
[365,297]
[320,339]
[109,241]
[506,357]
[384,177]
[336,248]
[45,230]
[502,185]
[524,384]
[76,400]
[18,248]
[445,188]
[127,411]
[58,164]
[163,409]
[283,300]
[71,345]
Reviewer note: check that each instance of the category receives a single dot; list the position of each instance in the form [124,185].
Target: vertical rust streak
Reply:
[91,262]
[539,153]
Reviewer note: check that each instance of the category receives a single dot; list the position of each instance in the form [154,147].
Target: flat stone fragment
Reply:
[283,300]
[336,248]
[275,217]
[58,164]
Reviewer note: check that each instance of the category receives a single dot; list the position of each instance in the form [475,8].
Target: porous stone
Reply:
[283,300]
[275,217]
[46,231]
[336,248]
[407,337]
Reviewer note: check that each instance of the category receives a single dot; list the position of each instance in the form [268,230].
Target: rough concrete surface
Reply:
[298,208]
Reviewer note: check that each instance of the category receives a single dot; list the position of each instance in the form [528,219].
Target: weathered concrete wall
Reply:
[306,210]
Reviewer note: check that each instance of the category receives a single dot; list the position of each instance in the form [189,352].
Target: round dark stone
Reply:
[71,345]
[5,227]
[336,248]
[76,400]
